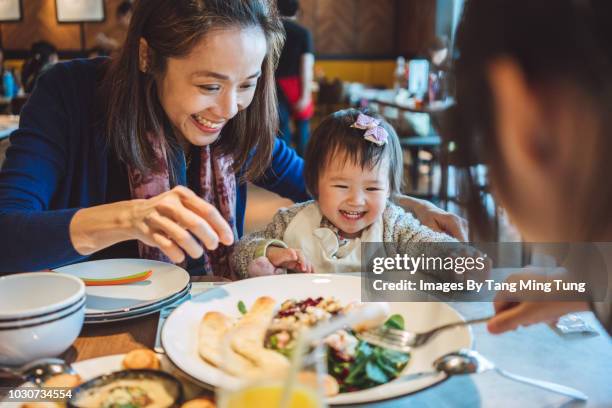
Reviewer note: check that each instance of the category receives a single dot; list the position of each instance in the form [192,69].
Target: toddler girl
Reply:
[353,168]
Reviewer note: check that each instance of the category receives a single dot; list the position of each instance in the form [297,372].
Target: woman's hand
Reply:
[176,222]
[511,315]
[289,258]
[436,218]
[518,309]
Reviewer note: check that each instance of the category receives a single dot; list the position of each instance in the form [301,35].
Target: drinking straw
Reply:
[365,312]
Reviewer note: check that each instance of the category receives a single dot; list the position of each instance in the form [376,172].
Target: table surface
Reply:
[582,362]
[8,123]
[391,98]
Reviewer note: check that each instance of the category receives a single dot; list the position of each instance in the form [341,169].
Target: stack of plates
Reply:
[104,304]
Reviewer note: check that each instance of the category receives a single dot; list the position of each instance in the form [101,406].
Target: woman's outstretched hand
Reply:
[436,218]
[530,307]
[509,315]
[178,222]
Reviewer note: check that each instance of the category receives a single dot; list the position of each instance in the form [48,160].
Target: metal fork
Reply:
[404,341]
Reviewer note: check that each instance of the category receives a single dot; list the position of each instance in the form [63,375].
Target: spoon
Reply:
[467,361]
[38,371]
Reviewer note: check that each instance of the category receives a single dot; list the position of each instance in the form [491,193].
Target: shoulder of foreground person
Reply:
[401,226]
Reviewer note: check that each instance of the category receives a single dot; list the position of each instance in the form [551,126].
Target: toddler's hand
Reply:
[289,258]
[262,266]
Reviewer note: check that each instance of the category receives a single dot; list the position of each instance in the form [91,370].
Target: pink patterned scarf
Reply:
[218,187]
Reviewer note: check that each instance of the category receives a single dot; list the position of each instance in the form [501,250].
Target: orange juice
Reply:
[269,396]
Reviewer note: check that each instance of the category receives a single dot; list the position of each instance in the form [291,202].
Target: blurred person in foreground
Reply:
[533,104]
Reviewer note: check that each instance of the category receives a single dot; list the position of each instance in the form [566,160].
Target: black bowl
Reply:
[170,383]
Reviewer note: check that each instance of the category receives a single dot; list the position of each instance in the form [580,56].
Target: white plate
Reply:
[179,335]
[166,280]
[141,311]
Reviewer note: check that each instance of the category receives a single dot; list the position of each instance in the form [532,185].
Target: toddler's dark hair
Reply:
[335,139]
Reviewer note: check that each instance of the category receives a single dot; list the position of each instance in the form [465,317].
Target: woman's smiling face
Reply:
[201,92]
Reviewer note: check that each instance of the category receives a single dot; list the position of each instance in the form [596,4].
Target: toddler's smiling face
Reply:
[351,197]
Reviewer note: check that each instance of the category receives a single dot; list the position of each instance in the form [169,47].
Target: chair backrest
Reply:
[17,104]
[4,144]
[331,92]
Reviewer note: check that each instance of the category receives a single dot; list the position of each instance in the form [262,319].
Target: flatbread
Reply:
[239,349]
[247,337]
[213,348]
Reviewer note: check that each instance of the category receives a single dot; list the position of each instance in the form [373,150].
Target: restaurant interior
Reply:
[104,333]
[357,66]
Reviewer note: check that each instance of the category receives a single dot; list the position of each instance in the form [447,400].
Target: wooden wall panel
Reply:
[350,27]
[92,29]
[334,32]
[369,27]
[39,23]
[366,28]
[308,13]
[375,24]
[416,26]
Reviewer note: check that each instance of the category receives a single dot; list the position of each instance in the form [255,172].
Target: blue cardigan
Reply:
[58,163]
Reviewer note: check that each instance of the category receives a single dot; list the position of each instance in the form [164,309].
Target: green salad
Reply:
[354,363]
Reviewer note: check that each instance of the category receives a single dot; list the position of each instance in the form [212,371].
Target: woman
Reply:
[104,151]
[534,93]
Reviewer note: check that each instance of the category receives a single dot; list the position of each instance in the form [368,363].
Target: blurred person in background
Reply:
[2,72]
[43,55]
[96,52]
[439,53]
[534,101]
[294,78]
[111,40]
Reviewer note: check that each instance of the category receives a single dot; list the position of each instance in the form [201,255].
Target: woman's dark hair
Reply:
[335,139]
[288,8]
[556,43]
[172,28]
